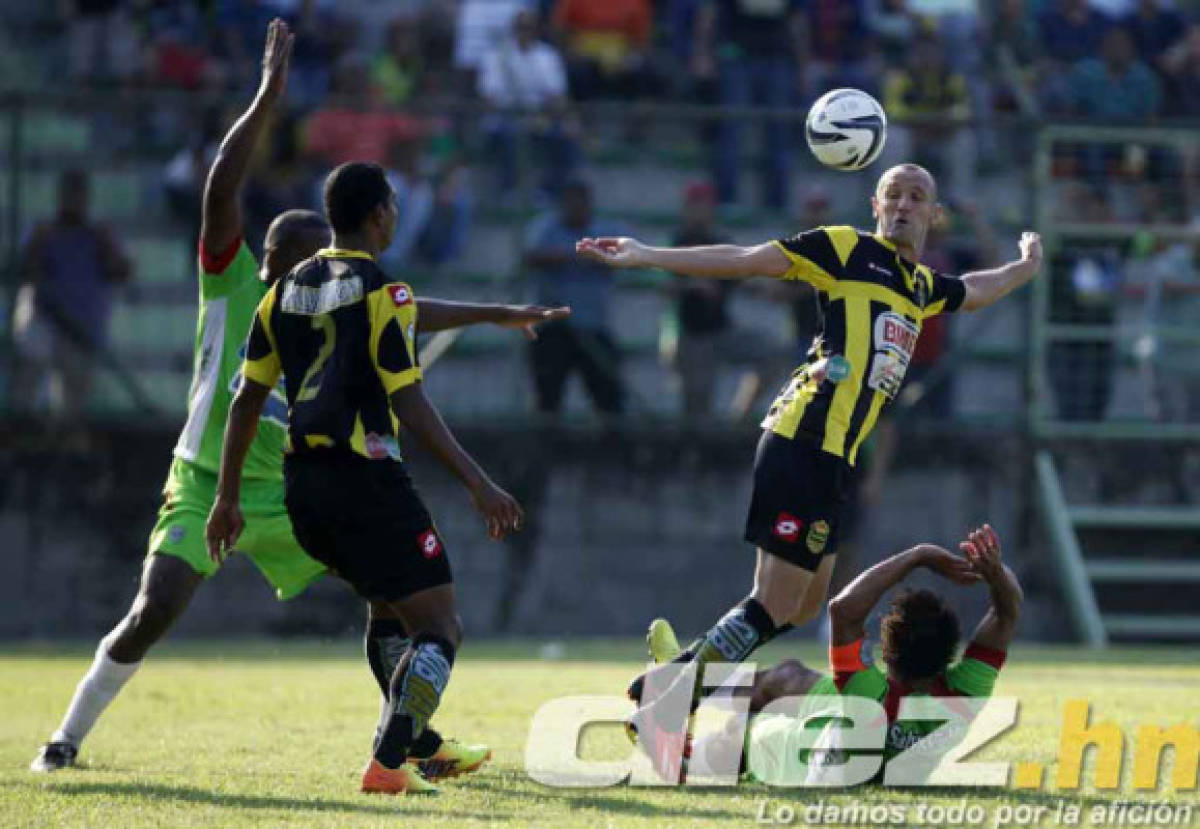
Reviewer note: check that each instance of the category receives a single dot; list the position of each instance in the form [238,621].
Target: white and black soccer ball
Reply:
[846,129]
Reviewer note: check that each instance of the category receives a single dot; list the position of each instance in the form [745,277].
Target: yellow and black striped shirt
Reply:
[343,336]
[872,303]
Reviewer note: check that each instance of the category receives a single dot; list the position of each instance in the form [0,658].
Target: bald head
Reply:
[293,236]
[908,174]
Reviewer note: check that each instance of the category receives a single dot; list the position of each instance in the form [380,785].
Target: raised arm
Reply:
[719,261]
[221,217]
[442,314]
[848,611]
[995,630]
[986,287]
[500,511]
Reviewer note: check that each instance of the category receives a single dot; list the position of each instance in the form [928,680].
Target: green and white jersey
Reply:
[230,291]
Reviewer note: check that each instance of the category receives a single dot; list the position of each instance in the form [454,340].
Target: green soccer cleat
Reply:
[452,759]
[661,641]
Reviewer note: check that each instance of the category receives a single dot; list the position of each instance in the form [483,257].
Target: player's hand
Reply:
[982,549]
[615,251]
[501,512]
[529,317]
[947,565]
[223,529]
[276,56]
[1031,248]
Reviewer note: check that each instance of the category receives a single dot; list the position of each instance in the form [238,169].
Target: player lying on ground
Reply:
[231,286]
[874,295]
[341,334]
[919,637]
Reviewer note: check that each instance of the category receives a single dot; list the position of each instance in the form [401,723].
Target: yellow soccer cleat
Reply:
[452,759]
[379,779]
[660,639]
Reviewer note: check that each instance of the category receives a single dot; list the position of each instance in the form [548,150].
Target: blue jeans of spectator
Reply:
[770,82]
[557,151]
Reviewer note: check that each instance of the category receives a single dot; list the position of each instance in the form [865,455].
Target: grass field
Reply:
[272,734]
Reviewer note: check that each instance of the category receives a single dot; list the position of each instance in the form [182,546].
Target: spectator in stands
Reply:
[240,25]
[929,384]
[68,269]
[934,99]
[526,76]
[446,232]
[350,125]
[1071,31]
[893,27]
[758,50]
[1155,28]
[583,342]
[1115,86]
[607,44]
[1012,54]
[1084,282]
[101,42]
[396,71]
[481,24]
[701,314]
[414,203]
[321,37]
[1182,65]
[839,47]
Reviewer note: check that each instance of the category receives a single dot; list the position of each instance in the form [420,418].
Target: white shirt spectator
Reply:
[529,78]
[481,24]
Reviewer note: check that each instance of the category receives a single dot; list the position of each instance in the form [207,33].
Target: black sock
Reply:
[737,634]
[386,642]
[416,689]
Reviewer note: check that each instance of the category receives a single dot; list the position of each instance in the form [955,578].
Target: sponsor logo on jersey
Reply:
[879,269]
[787,527]
[310,300]
[400,294]
[818,537]
[895,340]
[895,333]
[431,545]
[176,533]
[375,446]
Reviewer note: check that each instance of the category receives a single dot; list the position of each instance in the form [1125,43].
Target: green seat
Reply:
[53,132]
[160,260]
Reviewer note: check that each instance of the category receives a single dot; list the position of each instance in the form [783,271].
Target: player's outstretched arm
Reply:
[500,511]
[982,549]
[221,215]
[719,261]
[848,610]
[986,287]
[443,314]
[225,520]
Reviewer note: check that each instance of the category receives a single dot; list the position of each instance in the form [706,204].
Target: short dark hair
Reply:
[919,635]
[289,224]
[352,191]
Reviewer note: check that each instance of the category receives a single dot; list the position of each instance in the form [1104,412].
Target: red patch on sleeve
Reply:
[986,655]
[431,545]
[400,295]
[217,263]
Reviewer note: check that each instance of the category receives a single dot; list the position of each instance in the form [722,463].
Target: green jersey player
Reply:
[919,638]
[232,284]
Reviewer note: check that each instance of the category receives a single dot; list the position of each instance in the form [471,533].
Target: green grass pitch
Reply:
[275,734]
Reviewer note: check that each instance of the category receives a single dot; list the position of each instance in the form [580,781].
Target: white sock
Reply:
[95,692]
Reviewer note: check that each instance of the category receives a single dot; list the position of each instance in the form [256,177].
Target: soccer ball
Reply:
[846,129]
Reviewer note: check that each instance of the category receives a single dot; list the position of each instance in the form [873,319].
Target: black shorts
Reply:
[364,521]
[796,511]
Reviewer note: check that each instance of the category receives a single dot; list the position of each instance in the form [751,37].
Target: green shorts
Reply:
[267,537]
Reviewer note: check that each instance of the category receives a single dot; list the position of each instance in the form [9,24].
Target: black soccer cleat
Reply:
[54,756]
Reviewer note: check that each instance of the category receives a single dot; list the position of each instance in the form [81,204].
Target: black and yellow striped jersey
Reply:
[872,304]
[343,336]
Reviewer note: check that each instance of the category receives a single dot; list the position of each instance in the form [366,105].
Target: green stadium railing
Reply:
[1079,573]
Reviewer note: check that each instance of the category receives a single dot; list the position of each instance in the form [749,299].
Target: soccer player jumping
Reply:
[874,295]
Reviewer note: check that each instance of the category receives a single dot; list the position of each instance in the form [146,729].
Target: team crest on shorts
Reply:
[818,536]
[431,545]
[787,527]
